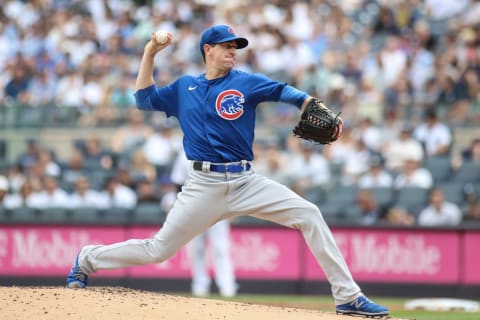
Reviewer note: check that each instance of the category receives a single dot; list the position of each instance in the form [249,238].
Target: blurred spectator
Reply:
[413,175]
[16,177]
[50,196]
[74,168]
[340,151]
[118,195]
[69,91]
[399,217]
[404,147]
[393,60]
[472,212]
[16,90]
[132,135]
[435,136]
[147,192]
[93,96]
[309,168]
[472,152]
[4,188]
[376,176]
[371,212]
[85,197]
[22,198]
[271,161]
[166,138]
[356,164]
[30,155]
[47,163]
[370,134]
[120,99]
[140,168]
[95,155]
[42,89]
[439,212]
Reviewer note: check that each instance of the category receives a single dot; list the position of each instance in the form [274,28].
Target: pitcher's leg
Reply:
[271,201]
[198,257]
[219,236]
[193,212]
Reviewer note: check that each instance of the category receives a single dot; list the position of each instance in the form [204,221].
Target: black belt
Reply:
[228,167]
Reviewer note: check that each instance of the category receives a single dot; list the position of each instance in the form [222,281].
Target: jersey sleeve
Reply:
[265,89]
[158,98]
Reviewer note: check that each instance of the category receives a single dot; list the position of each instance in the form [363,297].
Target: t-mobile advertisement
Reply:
[375,255]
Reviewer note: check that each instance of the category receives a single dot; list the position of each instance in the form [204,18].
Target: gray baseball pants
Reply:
[208,197]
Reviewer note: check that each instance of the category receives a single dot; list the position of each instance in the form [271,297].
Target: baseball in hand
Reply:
[162,36]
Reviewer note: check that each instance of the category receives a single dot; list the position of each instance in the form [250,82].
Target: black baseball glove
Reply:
[318,123]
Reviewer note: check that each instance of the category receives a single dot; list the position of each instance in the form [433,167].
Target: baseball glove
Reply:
[318,123]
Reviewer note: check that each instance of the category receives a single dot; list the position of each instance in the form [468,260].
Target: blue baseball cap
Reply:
[221,34]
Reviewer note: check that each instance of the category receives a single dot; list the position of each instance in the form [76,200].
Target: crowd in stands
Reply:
[404,74]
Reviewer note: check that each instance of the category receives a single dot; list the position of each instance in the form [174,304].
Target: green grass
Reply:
[325,303]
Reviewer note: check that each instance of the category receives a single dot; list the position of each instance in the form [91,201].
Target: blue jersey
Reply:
[217,116]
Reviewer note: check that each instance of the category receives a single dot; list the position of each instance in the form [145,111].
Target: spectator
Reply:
[369,134]
[413,175]
[41,89]
[85,197]
[371,212]
[48,164]
[147,192]
[131,135]
[16,177]
[140,168]
[74,168]
[356,164]
[51,195]
[95,155]
[376,176]
[342,150]
[435,136]
[439,212]
[472,152]
[271,162]
[4,188]
[16,90]
[405,147]
[22,198]
[165,138]
[30,155]
[309,168]
[472,212]
[118,195]
[399,217]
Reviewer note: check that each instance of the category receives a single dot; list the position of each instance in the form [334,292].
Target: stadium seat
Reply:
[412,199]
[53,215]
[468,172]
[23,215]
[115,216]
[338,199]
[439,167]
[85,215]
[148,213]
[453,191]
[4,215]
[384,196]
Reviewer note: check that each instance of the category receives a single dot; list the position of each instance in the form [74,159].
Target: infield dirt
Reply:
[116,303]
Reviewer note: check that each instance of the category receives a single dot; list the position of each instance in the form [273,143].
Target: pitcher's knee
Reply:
[308,217]
[158,250]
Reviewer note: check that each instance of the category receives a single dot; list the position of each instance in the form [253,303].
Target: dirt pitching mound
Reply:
[100,303]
